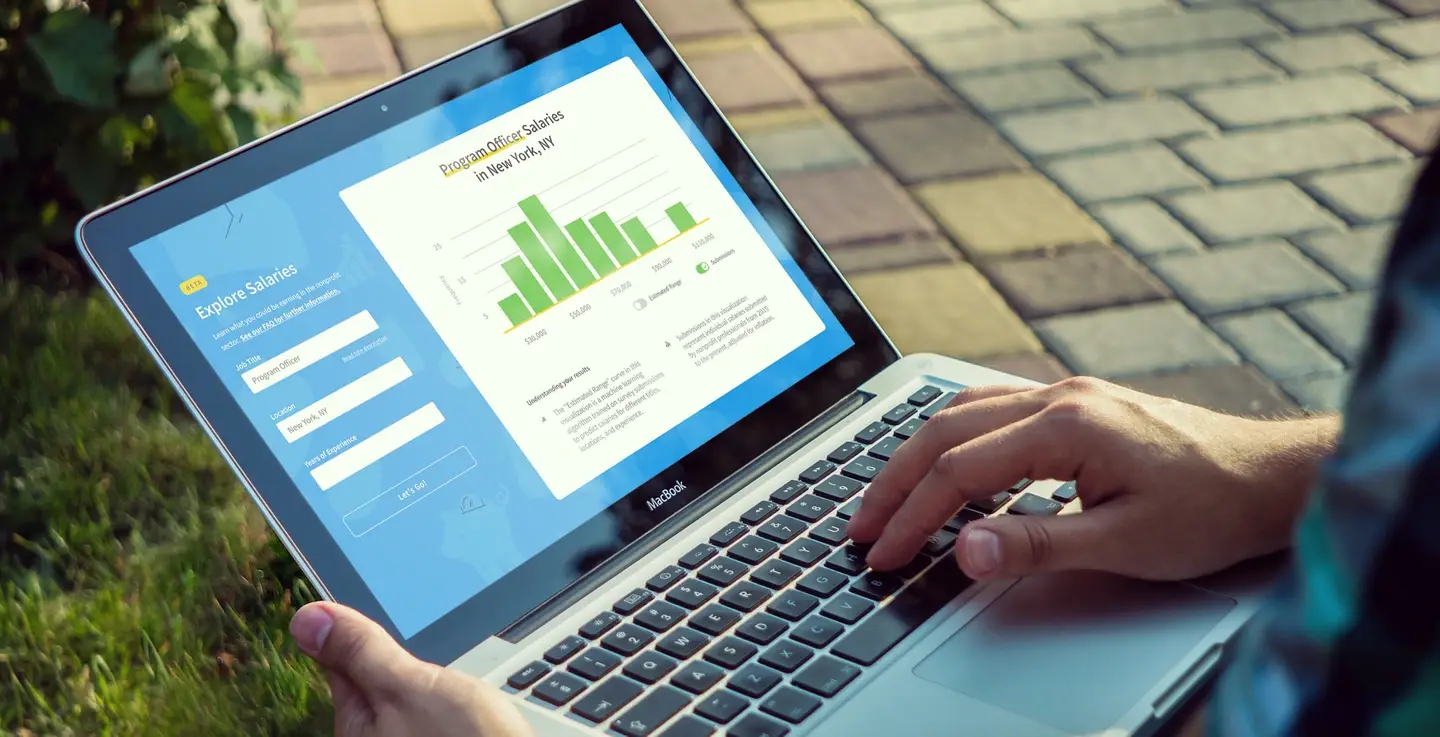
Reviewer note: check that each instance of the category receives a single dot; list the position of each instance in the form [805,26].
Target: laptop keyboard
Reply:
[753,630]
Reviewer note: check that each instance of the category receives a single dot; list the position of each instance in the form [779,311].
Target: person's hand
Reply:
[1169,490]
[381,690]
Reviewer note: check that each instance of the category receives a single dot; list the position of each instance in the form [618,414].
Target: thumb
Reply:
[353,647]
[1009,546]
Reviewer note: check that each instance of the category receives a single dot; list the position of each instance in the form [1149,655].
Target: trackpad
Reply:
[1074,651]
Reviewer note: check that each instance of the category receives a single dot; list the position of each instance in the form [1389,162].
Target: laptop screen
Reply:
[469,334]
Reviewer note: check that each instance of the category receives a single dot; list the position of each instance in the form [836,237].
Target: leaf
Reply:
[244,124]
[8,149]
[194,102]
[89,171]
[120,136]
[77,51]
[150,70]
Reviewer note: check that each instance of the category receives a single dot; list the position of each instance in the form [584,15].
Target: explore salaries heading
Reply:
[256,286]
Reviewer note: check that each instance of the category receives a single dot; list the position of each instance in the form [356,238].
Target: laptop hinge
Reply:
[717,495]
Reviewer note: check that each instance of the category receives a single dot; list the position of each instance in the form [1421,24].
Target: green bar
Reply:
[680,216]
[614,240]
[524,280]
[541,259]
[590,247]
[554,237]
[515,309]
[638,234]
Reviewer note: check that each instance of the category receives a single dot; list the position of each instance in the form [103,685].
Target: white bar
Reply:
[377,446]
[320,412]
[309,351]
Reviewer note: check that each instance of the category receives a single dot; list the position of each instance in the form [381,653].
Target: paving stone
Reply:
[923,146]
[1415,130]
[314,19]
[1243,277]
[1273,342]
[1341,323]
[948,309]
[1288,150]
[1143,170]
[354,51]
[1075,280]
[417,51]
[1320,393]
[755,121]
[1323,51]
[1041,367]
[909,91]
[1251,211]
[950,20]
[833,53]
[810,147]
[849,205]
[1310,15]
[751,76]
[1366,194]
[1419,81]
[1136,339]
[1176,71]
[859,258]
[782,14]
[1234,390]
[410,18]
[1195,27]
[1417,7]
[1008,49]
[1008,213]
[1317,96]
[1023,89]
[1419,37]
[688,19]
[1145,228]
[1066,11]
[320,94]
[1356,256]
[1107,124]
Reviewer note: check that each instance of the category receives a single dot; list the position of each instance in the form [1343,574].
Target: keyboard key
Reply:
[682,643]
[594,664]
[811,508]
[698,555]
[818,631]
[847,608]
[754,725]
[909,428]
[782,529]
[729,534]
[916,603]
[789,491]
[650,667]
[752,549]
[925,395]
[849,510]
[599,625]
[872,432]
[527,676]
[792,605]
[822,582]
[607,699]
[665,579]
[990,504]
[559,689]
[632,601]
[660,616]
[691,594]
[864,469]
[849,559]
[885,449]
[627,640]
[939,543]
[1019,486]
[805,552]
[722,706]
[758,513]
[1035,506]
[849,449]
[831,532]
[937,406]
[839,488]
[730,652]
[790,704]
[1065,494]
[723,571]
[965,517]
[776,574]
[914,568]
[898,414]
[826,676]
[566,647]
[755,680]
[817,471]
[786,656]
[688,726]
[877,586]
[762,629]
[655,709]
[715,619]
[698,677]
[745,596]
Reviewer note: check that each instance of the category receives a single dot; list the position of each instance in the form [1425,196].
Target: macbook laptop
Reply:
[525,357]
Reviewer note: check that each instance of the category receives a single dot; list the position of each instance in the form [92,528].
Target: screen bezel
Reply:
[106,239]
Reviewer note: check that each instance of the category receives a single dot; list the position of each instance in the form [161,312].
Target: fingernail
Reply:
[310,626]
[982,550]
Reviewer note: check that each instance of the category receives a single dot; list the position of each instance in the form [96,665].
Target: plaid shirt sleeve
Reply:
[1350,644]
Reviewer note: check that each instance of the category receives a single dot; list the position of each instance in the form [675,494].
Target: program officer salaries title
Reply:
[255,286]
[499,143]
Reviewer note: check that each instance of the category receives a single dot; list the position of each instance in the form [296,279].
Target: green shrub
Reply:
[100,99]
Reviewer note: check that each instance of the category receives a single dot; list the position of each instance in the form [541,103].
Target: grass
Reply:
[140,591]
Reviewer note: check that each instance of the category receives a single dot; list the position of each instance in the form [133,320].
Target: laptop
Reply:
[524,356]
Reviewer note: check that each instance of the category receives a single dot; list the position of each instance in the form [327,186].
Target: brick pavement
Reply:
[1189,196]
